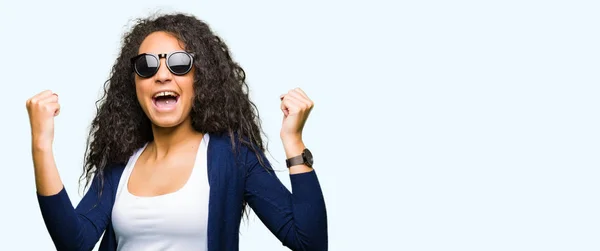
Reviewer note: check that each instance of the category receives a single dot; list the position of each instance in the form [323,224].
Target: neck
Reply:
[171,139]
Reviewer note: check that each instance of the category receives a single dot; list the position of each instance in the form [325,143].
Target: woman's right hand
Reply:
[42,109]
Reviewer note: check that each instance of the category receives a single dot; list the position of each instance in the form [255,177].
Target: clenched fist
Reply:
[296,107]
[42,109]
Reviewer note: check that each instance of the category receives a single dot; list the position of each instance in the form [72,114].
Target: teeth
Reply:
[162,94]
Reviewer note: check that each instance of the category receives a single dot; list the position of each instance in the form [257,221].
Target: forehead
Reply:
[160,42]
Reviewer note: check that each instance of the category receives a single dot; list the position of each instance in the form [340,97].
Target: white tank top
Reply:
[174,221]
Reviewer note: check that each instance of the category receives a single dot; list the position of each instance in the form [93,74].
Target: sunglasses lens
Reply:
[146,66]
[180,63]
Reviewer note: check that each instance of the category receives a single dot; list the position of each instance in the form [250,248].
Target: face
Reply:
[166,98]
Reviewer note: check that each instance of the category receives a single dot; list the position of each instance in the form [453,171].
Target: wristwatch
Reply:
[305,158]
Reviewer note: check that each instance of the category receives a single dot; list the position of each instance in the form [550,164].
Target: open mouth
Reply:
[165,100]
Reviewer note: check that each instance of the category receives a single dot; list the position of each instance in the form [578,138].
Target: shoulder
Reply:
[224,141]
[219,140]
[225,145]
[113,172]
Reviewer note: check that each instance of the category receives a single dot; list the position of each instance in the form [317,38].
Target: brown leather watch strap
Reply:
[298,160]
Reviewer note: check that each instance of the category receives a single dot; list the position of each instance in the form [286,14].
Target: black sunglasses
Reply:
[178,62]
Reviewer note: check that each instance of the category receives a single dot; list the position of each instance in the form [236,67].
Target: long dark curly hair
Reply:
[221,103]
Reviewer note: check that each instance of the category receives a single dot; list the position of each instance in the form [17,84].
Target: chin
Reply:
[167,122]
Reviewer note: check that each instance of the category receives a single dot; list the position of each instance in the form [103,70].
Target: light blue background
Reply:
[438,125]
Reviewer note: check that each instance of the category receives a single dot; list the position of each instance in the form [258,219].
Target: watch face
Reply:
[308,157]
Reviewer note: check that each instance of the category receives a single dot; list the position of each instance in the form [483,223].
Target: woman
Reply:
[175,153]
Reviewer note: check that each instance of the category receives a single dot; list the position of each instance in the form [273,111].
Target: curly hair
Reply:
[221,103]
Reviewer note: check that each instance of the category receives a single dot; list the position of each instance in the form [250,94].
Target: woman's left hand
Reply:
[296,107]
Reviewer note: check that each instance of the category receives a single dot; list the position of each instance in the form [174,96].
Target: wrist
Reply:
[301,162]
[293,148]
[290,137]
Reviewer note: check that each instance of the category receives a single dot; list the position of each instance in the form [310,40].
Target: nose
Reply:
[163,75]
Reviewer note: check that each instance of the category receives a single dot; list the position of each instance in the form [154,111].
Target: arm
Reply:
[298,219]
[77,228]
[69,229]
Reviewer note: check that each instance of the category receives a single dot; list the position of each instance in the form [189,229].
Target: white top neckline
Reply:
[170,222]
[185,185]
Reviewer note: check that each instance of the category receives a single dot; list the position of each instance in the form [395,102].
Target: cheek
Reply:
[138,94]
[141,91]
[187,86]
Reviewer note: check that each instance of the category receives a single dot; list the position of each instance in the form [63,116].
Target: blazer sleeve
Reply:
[298,219]
[78,228]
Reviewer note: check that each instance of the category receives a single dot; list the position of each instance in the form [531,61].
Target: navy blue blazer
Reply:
[298,219]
